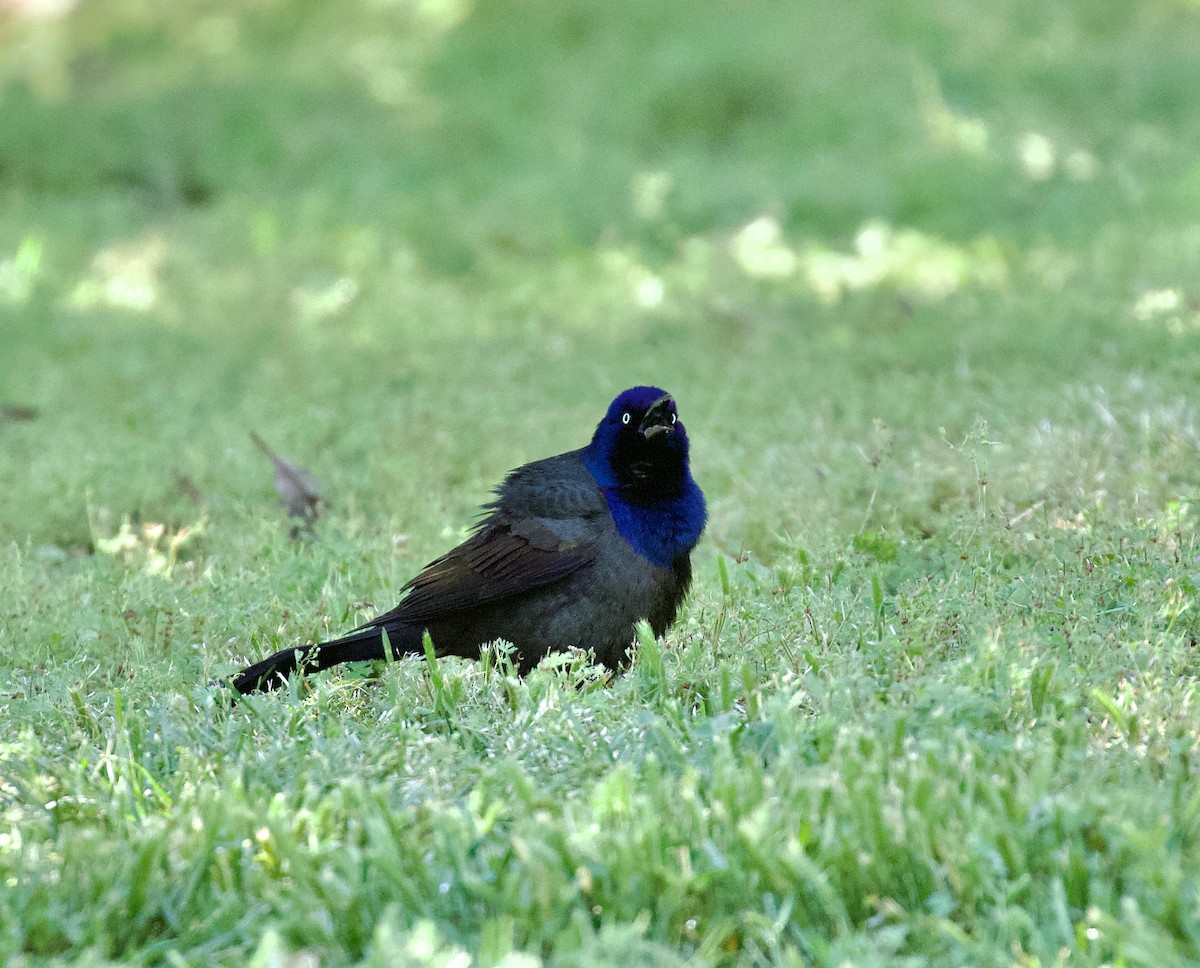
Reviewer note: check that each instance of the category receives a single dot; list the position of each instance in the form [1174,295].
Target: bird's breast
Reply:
[663,531]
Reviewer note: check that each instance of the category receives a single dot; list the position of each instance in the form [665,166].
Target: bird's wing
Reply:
[503,559]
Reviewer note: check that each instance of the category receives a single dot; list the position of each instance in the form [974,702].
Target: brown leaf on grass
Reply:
[187,486]
[299,491]
[17,413]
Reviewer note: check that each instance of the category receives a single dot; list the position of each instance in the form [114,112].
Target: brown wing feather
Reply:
[502,560]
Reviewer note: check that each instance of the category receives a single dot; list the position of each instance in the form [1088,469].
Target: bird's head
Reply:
[640,446]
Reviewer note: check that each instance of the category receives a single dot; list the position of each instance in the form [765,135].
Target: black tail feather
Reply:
[362,645]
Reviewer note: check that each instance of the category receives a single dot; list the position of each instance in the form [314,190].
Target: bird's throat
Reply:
[655,503]
[647,474]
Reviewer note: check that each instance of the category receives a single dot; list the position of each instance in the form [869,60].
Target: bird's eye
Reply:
[625,418]
[673,419]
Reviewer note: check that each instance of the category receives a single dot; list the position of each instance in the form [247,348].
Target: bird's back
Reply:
[557,487]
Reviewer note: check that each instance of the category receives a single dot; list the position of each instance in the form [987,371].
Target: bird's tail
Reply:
[361,645]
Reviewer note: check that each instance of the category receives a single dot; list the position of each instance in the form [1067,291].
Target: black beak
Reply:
[659,419]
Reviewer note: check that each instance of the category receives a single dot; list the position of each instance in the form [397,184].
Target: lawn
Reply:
[924,282]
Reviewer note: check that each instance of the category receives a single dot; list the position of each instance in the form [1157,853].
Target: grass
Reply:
[924,283]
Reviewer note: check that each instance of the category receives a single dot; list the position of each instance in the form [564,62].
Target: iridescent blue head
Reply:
[640,447]
[639,457]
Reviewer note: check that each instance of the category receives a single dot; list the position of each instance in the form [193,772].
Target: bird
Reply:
[574,552]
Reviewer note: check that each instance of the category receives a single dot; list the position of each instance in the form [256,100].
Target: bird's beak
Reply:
[658,418]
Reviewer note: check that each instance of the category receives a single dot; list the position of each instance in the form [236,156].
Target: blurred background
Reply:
[415,242]
[923,278]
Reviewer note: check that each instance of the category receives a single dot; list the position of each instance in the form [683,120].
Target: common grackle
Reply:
[574,551]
